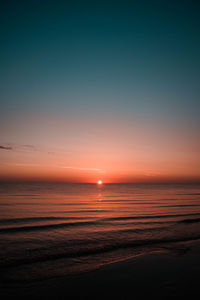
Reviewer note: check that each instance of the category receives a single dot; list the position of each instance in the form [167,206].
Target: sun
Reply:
[99,182]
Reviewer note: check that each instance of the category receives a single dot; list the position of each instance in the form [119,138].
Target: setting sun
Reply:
[99,182]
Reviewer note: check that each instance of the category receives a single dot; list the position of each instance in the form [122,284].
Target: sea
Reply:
[50,230]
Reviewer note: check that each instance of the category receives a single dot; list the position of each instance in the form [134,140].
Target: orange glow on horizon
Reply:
[117,151]
[100,182]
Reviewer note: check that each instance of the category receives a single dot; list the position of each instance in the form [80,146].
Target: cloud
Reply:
[152,173]
[2,147]
[19,147]
[83,169]
[24,165]
[28,148]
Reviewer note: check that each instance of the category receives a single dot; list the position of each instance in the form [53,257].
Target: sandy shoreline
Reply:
[156,274]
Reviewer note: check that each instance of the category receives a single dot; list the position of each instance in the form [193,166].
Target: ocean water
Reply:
[53,230]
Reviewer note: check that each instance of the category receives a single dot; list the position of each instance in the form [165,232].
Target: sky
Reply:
[100,90]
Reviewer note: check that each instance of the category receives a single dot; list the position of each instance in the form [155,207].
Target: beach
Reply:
[157,275]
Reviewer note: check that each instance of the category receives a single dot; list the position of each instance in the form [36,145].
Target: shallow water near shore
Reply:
[54,230]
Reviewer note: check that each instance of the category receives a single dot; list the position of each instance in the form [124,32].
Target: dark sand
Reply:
[161,276]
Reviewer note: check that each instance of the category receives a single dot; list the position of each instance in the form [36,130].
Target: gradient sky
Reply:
[100,90]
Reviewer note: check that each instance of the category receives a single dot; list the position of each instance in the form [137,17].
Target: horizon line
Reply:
[191,181]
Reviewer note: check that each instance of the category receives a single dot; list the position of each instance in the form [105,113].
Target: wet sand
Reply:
[161,276]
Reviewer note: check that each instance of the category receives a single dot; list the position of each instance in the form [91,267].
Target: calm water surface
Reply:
[51,230]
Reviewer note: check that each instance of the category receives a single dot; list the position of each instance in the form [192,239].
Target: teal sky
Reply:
[118,60]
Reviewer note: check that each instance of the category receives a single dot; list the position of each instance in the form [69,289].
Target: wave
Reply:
[150,217]
[190,221]
[85,211]
[45,227]
[189,194]
[34,219]
[179,205]
[98,222]
[43,204]
[142,202]
[100,249]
